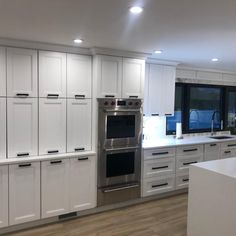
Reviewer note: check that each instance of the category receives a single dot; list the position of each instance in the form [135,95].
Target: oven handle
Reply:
[124,110]
[120,149]
[120,188]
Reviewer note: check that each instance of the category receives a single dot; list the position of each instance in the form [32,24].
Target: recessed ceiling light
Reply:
[158,51]
[214,59]
[78,40]
[136,10]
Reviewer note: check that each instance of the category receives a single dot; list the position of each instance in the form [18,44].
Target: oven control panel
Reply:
[120,103]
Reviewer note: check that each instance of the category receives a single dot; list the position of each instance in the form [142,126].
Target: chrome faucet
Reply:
[212,122]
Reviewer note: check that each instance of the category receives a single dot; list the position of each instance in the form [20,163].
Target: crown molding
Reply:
[162,62]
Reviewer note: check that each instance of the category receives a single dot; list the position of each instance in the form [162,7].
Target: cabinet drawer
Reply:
[152,186]
[182,180]
[227,153]
[210,156]
[189,150]
[158,153]
[212,147]
[159,167]
[183,163]
[231,144]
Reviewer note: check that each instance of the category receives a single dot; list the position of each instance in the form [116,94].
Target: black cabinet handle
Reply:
[56,162]
[159,167]
[77,96]
[133,96]
[185,180]
[24,165]
[22,94]
[53,151]
[190,150]
[53,95]
[227,152]
[83,159]
[79,149]
[23,154]
[155,114]
[213,145]
[231,145]
[159,185]
[159,153]
[168,114]
[189,163]
[109,96]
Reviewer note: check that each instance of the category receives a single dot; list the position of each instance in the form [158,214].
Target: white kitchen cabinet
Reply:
[82,183]
[2,128]
[22,127]
[79,76]
[3,73]
[4,196]
[24,192]
[133,78]
[52,74]
[161,90]
[55,187]
[22,72]
[52,126]
[212,151]
[79,122]
[109,75]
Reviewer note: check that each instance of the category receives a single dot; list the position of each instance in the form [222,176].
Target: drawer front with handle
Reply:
[183,163]
[189,150]
[182,180]
[227,153]
[231,144]
[212,147]
[159,167]
[158,153]
[157,185]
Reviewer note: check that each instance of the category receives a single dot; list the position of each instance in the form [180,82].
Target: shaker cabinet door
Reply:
[21,72]
[3,133]
[79,76]
[3,73]
[4,196]
[79,125]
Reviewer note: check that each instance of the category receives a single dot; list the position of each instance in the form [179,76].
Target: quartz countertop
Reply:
[173,142]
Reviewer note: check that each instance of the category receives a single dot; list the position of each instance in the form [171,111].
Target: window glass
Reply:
[231,121]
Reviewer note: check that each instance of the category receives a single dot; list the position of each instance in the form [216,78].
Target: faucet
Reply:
[212,122]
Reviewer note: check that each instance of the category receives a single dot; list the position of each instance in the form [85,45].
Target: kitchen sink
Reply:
[221,137]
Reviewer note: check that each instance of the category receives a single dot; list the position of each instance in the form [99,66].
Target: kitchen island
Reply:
[212,196]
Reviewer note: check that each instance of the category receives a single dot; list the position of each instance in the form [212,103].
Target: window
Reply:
[231,110]
[171,121]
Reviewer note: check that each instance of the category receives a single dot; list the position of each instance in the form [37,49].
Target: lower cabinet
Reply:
[3,196]
[212,151]
[182,180]
[24,192]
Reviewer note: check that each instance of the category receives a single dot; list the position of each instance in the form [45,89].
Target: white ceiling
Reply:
[189,31]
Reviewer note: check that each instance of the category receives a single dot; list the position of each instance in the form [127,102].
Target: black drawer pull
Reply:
[109,96]
[159,153]
[56,162]
[159,167]
[53,151]
[25,165]
[189,163]
[83,159]
[77,96]
[133,96]
[168,114]
[185,180]
[53,95]
[79,149]
[22,94]
[23,154]
[227,152]
[213,145]
[231,145]
[190,150]
[155,114]
[159,185]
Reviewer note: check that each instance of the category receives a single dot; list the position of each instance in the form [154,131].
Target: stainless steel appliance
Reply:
[119,149]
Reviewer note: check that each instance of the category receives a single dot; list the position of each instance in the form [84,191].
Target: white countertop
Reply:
[172,142]
[45,157]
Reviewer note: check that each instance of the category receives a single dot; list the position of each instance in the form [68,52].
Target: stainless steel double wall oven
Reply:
[119,149]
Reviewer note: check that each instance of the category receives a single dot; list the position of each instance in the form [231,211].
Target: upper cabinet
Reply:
[21,72]
[109,74]
[3,71]
[133,78]
[119,77]
[2,128]
[79,76]
[160,92]
[52,74]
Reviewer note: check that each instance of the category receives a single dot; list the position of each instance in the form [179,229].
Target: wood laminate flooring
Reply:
[164,217]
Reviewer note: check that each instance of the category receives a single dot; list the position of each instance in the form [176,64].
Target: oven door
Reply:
[119,166]
[120,128]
